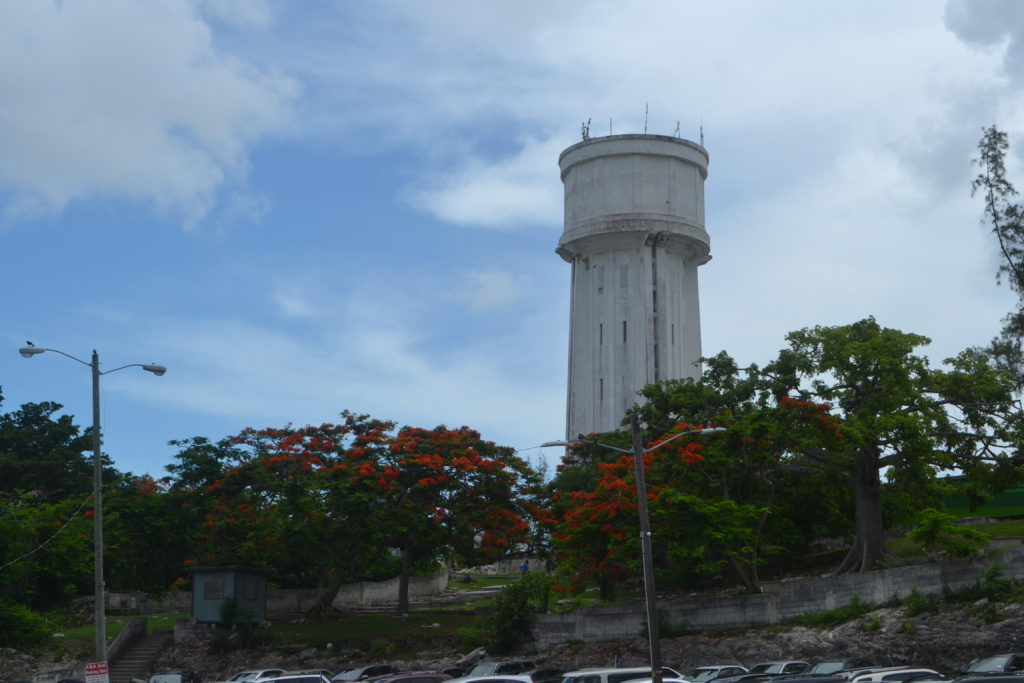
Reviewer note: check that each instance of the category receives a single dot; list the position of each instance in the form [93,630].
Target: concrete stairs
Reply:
[137,659]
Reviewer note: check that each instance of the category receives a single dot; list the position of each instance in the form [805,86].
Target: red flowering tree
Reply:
[441,489]
[709,498]
[322,505]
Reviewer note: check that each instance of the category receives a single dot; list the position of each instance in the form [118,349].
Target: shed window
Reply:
[213,586]
[251,588]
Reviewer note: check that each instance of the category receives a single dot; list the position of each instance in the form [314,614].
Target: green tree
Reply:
[899,415]
[45,550]
[43,452]
[873,404]
[1007,220]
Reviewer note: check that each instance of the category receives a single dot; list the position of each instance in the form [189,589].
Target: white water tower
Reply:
[634,234]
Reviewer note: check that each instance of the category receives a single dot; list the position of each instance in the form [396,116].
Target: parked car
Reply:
[545,675]
[413,677]
[508,666]
[298,677]
[1007,663]
[497,678]
[827,667]
[907,673]
[253,675]
[779,667]
[750,678]
[361,673]
[707,673]
[178,676]
[616,675]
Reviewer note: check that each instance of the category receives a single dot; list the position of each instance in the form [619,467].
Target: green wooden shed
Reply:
[211,586]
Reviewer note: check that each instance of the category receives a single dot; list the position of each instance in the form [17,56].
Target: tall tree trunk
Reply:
[403,580]
[869,537]
[326,597]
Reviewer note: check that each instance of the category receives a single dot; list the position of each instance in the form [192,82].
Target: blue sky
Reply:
[306,207]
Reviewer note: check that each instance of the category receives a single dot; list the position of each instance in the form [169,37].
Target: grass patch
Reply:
[81,637]
[857,608]
[474,581]
[412,634]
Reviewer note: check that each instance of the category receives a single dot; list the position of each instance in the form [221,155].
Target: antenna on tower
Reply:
[585,131]
[646,105]
[677,129]
[701,130]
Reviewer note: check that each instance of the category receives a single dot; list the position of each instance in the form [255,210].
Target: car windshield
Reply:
[826,667]
[701,675]
[347,675]
[166,678]
[764,668]
[995,663]
[484,669]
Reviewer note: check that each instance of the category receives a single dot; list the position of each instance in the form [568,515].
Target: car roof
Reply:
[493,678]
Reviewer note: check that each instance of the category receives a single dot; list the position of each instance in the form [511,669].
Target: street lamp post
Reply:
[650,597]
[30,350]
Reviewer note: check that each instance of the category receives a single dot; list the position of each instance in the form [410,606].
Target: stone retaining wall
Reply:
[289,600]
[792,598]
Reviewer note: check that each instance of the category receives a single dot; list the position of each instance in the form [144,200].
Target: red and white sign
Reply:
[97,672]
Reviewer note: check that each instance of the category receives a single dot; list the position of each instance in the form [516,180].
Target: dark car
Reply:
[544,675]
[996,664]
[413,677]
[782,667]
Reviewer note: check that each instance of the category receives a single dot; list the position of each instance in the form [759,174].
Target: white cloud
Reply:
[245,14]
[129,100]
[497,194]
[490,289]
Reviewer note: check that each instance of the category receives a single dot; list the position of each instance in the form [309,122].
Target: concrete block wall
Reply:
[140,603]
[792,598]
[381,592]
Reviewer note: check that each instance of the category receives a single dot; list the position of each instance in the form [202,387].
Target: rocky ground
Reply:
[945,641]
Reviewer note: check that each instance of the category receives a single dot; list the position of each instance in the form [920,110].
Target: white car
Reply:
[617,675]
[253,675]
[902,674]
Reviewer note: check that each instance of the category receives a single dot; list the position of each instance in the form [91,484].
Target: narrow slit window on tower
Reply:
[673,333]
[623,331]
[600,334]
[600,390]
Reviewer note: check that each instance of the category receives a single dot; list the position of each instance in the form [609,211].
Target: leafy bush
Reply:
[21,628]
[383,647]
[939,532]
[989,613]
[511,616]
[994,585]
[916,603]
[538,590]
[856,608]
[871,624]
[241,622]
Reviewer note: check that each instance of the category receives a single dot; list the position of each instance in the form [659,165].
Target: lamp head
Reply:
[157,370]
[30,350]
